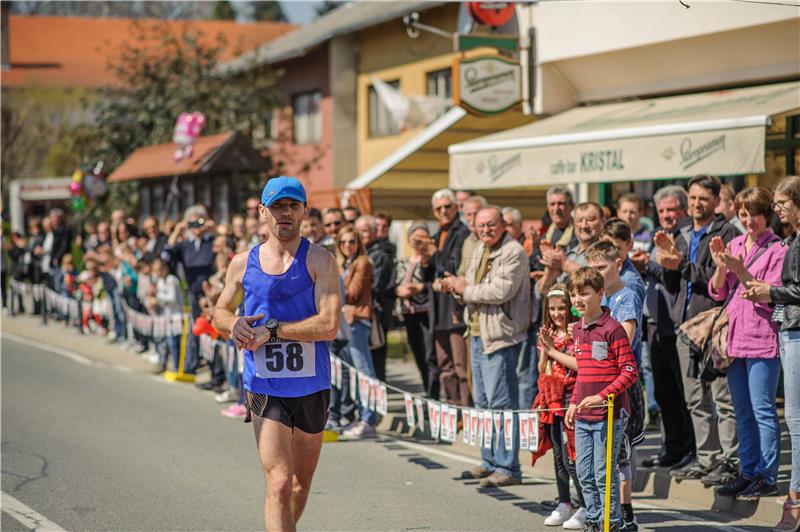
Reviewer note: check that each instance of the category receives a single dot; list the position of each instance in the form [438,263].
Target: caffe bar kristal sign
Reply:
[487,85]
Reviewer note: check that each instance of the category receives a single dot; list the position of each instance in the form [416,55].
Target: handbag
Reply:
[377,338]
[707,333]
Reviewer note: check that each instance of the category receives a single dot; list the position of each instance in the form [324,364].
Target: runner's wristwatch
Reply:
[272,327]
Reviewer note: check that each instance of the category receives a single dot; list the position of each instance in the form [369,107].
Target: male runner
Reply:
[291,297]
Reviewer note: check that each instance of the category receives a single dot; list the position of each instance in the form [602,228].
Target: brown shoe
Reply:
[495,480]
[476,473]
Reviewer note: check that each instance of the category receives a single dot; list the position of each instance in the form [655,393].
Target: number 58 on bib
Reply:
[285,359]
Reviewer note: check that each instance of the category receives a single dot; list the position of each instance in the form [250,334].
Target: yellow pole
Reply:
[180,375]
[609,456]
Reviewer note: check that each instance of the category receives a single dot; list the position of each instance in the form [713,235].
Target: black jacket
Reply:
[382,257]
[698,272]
[658,301]
[789,293]
[198,262]
[62,244]
[448,314]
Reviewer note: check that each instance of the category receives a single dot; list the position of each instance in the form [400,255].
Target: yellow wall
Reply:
[388,53]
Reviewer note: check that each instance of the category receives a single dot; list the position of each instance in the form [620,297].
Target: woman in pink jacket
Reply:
[752,343]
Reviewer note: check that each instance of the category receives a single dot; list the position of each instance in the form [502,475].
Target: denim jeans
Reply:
[790,357]
[359,355]
[754,383]
[170,347]
[191,358]
[590,462]
[342,405]
[494,387]
[528,370]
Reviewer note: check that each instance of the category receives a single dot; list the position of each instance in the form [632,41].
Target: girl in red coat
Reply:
[557,371]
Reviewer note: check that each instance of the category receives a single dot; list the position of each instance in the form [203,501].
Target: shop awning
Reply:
[403,181]
[721,133]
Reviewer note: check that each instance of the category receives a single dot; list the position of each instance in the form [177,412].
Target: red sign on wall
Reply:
[491,13]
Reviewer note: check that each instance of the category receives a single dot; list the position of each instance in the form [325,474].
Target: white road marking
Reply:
[30,519]
[72,355]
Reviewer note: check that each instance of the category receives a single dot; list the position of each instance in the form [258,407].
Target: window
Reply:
[158,199]
[307,118]
[439,83]
[265,132]
[381,121]
[145,209]
[221,200]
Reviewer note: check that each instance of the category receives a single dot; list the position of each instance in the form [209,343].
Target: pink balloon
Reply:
[75,188]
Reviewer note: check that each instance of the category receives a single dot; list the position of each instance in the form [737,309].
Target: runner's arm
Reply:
[325,324]
[225,319]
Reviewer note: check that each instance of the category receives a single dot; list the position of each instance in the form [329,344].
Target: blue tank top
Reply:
[284,368]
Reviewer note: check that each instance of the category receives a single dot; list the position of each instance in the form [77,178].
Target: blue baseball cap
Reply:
[283,187]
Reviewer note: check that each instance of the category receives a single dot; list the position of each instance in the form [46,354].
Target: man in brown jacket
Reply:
[496,289]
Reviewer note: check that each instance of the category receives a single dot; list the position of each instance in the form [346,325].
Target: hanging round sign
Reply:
[491,13]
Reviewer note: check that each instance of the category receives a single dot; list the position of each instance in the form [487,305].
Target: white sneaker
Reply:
[227,396]
[560,514]
[359,431]
[577,520]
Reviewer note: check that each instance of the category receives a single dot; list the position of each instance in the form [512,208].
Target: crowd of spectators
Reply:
[490,305]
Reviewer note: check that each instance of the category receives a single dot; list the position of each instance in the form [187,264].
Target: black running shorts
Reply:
[308,413]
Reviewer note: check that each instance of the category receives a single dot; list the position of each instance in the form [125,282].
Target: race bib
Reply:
[285,359]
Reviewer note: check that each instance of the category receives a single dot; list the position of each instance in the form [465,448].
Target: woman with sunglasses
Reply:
[357,271]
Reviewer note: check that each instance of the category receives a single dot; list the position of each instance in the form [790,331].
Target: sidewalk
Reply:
[652,487]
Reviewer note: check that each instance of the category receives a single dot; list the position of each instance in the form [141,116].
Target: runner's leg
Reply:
[274,441]
[305,448]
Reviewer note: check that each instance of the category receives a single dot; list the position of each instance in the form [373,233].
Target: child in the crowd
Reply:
[202,325]
[169,300]
[557,371]
[69,275]
[92,295]
[605,366]
[626,308]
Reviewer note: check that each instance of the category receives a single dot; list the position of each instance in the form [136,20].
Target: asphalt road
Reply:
[95,448]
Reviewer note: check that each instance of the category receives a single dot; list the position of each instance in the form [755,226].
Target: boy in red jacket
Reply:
[605,366]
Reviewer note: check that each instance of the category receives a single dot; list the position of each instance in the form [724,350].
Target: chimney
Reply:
[6,55]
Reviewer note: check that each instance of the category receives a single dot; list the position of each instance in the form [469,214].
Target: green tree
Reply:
[268,12]
[164,74]
[223,10]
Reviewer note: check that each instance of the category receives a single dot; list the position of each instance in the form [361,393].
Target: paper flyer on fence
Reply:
[384,400]
[338,363]
[487,429]
[409,403]
[420,408]
[353,382]
[444,425]
[452,417]
[508,429]
[333,369]
[497,417]
[475,427]
[467,425]
[523,430]
[373,394]
[533,430]
[434,416]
